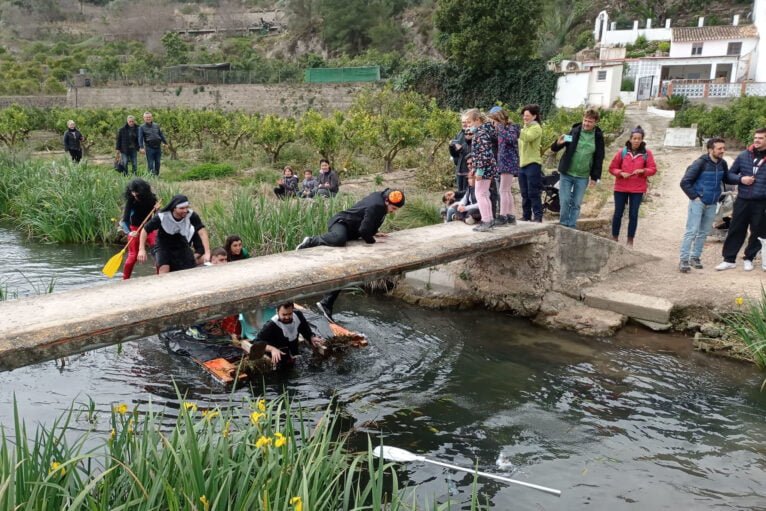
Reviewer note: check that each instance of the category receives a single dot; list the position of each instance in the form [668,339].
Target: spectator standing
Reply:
[329,183]
[531,161]
[459,149]
[631,167]
[581,164]
[703,183]
[73,140]
[150,140]
[750,205]
[507,162]
[484,164]
[127,144]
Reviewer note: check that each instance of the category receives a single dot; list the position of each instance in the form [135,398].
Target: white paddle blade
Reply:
[395,454]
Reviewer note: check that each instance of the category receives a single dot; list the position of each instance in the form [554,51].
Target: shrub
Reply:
[749,322]
[676,102]
[628,85]
[209,171]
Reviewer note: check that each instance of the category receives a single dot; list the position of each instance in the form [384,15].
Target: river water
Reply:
[636,422]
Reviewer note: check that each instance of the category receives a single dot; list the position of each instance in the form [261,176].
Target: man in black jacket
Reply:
[280,334]
[362,220]
[127,145]
[581,163]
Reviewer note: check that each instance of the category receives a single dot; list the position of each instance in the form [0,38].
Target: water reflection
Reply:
[637,422]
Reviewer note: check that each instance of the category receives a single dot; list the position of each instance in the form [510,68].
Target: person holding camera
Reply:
[581,164]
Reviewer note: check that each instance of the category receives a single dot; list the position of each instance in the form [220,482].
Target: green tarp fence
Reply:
[342,74]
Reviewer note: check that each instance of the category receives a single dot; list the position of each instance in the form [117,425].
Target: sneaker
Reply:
[195,333]
[306,243]
[470,220]
[326,311]
[727,266]
[511,219]
[696,263]
[483,227]
[747,265]
[684,267]
[500,220]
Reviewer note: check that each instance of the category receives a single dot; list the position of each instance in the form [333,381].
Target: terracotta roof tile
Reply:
[695,34]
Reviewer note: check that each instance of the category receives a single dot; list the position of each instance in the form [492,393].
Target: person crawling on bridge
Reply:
[178,228]
[362,220]
[280,334]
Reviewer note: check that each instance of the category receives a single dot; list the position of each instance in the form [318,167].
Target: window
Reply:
[734,49]
[696,49]
[601,76]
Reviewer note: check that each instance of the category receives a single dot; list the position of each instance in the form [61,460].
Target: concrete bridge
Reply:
[47,327]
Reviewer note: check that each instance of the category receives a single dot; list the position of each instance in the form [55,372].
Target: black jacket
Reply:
[571,147]
[72,139]
[272,335]
[127,138]
[459,155]
[364,218]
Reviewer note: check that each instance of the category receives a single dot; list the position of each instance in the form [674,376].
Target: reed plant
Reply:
[418,212]
[749,323]
[265,458]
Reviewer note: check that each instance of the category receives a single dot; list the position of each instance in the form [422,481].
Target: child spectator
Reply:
[235,249]
[287,186]
[309,184]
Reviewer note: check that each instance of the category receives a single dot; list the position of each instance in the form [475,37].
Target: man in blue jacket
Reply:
[750,206]
[703,184]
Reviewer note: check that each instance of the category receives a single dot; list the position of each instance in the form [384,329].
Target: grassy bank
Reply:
[265,458]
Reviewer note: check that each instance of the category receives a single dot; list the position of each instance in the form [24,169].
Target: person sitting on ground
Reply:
[309,184]
[178,227]
[329,183]
[703,183]
[362,220]
[280,334]
[467,208]
[235,249]
[287,186]
[448,199]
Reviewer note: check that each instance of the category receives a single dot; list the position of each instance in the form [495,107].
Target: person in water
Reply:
[280,335]
[178,228]
[362,220]
[235,248]
[140,202]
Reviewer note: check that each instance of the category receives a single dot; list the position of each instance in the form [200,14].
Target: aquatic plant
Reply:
[749,323]
[209,459]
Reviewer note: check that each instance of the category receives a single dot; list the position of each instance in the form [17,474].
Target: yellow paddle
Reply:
[114,263]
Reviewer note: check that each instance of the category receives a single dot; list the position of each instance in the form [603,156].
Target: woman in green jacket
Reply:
[531,174]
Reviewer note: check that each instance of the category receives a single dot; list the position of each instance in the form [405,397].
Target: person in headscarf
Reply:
[362,220]
[280,334]
[179,228]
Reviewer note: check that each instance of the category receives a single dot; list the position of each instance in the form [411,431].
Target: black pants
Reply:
[282,192]
[494,196]
[76,154]
[746,214]
[462,182]
[531,184]
[336,236]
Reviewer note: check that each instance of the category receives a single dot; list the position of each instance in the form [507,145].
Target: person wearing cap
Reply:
[360,221]
[631,167]
[178,228]
[580,166]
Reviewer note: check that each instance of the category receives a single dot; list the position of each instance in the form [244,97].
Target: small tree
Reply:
[272,133]
[441,125]
[15,125]
[324,133]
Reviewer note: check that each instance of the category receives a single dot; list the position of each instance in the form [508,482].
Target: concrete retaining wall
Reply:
[36,101]
[266,99]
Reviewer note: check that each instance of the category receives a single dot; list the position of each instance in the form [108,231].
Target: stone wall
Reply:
[36,101]
[266,99]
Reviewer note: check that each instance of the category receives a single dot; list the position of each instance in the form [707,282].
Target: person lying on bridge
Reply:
[280,334]
[178,227]
[362,220]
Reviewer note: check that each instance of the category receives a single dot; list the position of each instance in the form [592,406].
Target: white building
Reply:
[595,86]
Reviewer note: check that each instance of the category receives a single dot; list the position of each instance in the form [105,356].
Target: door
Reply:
[644,87]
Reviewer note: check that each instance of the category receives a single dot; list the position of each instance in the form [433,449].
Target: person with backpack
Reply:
[631,167]
[580,166]
[703,184]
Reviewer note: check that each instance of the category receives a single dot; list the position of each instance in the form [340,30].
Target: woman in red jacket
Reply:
[631,167]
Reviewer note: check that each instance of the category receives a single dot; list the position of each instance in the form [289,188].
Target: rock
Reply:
[656,327]
[564,313]
[711,330]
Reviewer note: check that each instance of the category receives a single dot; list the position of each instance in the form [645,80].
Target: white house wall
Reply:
[572,90]
[711,48]
[604,93]
[617,37]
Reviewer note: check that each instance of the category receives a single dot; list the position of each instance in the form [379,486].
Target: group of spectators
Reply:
[132,139]
[327,185]
[490,150]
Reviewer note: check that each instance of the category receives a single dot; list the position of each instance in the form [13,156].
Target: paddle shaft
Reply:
[492,476]
[138,231]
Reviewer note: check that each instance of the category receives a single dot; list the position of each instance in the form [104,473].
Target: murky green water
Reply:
[638,422]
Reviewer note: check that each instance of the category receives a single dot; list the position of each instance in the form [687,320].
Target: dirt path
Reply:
[661,228]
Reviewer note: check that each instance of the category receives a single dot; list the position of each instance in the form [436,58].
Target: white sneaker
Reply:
[727,266]
[747,265]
